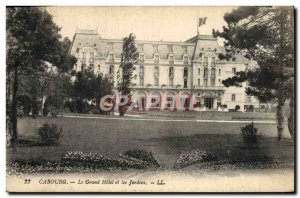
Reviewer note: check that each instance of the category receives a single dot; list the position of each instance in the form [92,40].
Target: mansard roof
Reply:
[192,47]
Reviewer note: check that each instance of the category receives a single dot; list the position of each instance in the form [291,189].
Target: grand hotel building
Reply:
[169,69]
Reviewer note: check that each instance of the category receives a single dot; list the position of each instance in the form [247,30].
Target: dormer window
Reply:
[184,48]
[171,59]
[155,48]
[170,47]
[185,60]
[111,58]
[142,58]
[141,47]
[111,46]
[156,58]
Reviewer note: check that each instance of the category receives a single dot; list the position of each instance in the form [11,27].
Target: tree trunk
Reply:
[280,119]
[13,117]
[291,119]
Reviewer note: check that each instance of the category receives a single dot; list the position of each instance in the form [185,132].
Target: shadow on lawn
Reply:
[228,148]
[33,142]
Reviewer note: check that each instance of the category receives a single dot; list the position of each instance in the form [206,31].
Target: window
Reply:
[156,71]
[184,48]
[155,48]
[200,55]
[141,70]
[170,48]
[142,58]
[111,70]
[156,59]
[111,57]
[205,82]
[213,61]
[156,82]
[213,72]
[185,83]
[92,57]
[171,82]
[220,83]
[83,66]
[98,67]
[185,60]
[198,81]
[171,72]
[205,74]
[95,45]
[248,98]
[233,70]
[171,59]
[205,63]
[185,72]
[111,46]
[199,71]
[92,66]
[141,81]
[219,72]
[233,97]
[212,82]
[141,47]
[83,56]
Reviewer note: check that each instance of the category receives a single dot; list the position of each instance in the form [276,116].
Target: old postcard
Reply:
[150,99]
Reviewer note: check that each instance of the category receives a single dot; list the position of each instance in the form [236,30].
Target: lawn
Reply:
[166,140]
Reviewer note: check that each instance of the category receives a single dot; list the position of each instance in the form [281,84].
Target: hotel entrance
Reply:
[209,103]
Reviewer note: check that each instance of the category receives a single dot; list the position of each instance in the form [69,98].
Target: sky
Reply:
[147,23]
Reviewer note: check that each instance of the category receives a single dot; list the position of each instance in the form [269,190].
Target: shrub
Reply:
[49,133]
[143,156]
[249,134]
[193,157]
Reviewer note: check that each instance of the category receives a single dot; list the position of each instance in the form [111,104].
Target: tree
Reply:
[32,40]
[129,57]
[266,36]
[104,86]
[57,88]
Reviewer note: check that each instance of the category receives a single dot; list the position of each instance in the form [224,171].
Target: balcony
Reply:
[141,74]
[202,87]
[212,75]
[171,62]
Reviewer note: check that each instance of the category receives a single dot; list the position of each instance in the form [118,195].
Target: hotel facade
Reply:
[170,69]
